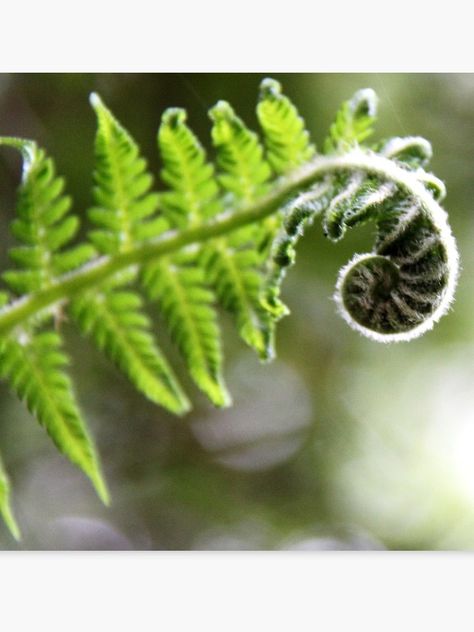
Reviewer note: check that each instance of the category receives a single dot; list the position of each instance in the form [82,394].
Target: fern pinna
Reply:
[221,233]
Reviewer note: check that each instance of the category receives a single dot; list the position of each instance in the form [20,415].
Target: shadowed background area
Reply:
[340,443]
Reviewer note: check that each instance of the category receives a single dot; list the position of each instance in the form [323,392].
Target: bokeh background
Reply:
[340,443]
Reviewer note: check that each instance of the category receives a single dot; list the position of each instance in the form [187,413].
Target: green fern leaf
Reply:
[186,305]
[116,322]
[244,171]
[233,265]
[43,225]
[354,122]
[126,209]
[194,193]
[287,140]
[126,213]
[34,366]
[5,507]
[238,282]
[178,283]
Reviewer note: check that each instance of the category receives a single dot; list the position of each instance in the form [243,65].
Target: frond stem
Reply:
[93,273]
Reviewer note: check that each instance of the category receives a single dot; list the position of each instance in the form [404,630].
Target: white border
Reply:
[237,592]
[243,36]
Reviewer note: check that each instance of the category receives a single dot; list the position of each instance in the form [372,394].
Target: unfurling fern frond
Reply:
[223,234]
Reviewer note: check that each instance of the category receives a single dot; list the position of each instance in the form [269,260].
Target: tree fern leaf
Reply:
[193,196]
[43,225]
[238,283]
[186,304]
[5,507]
[114,319]
[287,141]
[243,170]
[34,366]
[126,212]
[122,186]
[354,122]
[178,283]
[232,264]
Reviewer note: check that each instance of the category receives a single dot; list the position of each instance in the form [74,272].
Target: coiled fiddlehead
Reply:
[219,233]
[400,289]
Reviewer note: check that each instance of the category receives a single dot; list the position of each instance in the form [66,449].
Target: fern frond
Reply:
[286,139]
[34,366]
[126,213]
[193,194]
[126,209]
[114,318]
[186,305]
[244,172]
[228,235]
[5,507]
[354,122]
[179,283]
[233,265]
[236,276]
[44,225]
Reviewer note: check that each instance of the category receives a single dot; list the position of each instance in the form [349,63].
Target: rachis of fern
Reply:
[220,234]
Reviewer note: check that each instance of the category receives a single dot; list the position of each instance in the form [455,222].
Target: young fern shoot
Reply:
[218,235]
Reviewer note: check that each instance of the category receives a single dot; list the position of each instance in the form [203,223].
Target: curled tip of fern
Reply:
[270,88]
[364,103]
[221,111]
[413,150]
[27,149]
[174,117]
[435,186]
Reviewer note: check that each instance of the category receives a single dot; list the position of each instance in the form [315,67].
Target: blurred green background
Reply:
[340,443]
